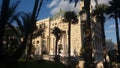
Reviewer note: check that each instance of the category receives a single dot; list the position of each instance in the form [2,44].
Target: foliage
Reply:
[57,33]
[44,64]
[23,30]
[71,17]
[99,12]
[114,8]
[83,53]
[111,50]
[6,16]
[76,1]
[110,45]
[113,55]
[35,64]
[114,12]
[11,42]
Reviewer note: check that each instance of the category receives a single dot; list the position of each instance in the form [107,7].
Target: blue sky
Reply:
[51,7]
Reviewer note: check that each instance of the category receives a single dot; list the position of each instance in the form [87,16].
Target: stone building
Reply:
[47,40]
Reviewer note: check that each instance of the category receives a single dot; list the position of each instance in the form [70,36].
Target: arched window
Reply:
[37,41]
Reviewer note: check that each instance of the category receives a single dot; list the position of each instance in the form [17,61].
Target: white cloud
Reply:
[113,26]
[53,3]
[56,5]
[109,31]
[99,2]
[103,1]
[64,5]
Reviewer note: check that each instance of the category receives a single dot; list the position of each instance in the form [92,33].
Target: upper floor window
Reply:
[33,42]
[42,26]
[55,23]
[37,41]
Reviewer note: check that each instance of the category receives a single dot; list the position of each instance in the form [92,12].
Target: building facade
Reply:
[46,42]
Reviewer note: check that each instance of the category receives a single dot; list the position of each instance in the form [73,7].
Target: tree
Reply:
[98,13]
[24,27]
[57,33]
[114,11]
[3,21]
[35,13]
[71,18]
[76,1]
[29,27]
[11,42]
[6,17]
[87,44]
[111,50]
[20,50]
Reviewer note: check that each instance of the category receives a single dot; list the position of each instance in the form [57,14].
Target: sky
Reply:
[51,7]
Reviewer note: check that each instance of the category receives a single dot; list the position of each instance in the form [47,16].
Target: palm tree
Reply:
[71,18]
[6,17]
[35,13]
[76,1]
[87,31]
[24,27]
[114,11]
[99,12]
[3,21]
[57,33]
[27,29]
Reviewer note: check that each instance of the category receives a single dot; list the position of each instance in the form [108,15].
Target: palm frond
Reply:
[70,16]
[57,32]
[16,31]
[40,5]
[19,23]
[13,8]
[12,18]
[76,1]
[26,22]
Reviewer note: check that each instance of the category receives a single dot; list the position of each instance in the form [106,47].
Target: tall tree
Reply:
[24,29]
[24,26]
[6,17]
[29,27]
[57,33]
[35,13]
[99,12]
[71,18]
[114,10]
[87,31]
[3,21]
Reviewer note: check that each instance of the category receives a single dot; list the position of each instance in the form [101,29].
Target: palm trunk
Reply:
[3,21]
[30,46]
[117,35]
[69,40]
[33,20]
[56,49]
[103,37]
[88,34]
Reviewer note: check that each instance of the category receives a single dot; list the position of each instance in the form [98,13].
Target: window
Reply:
[52,24]
[33,42]
[55,23]
[42,25]
[37,42]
